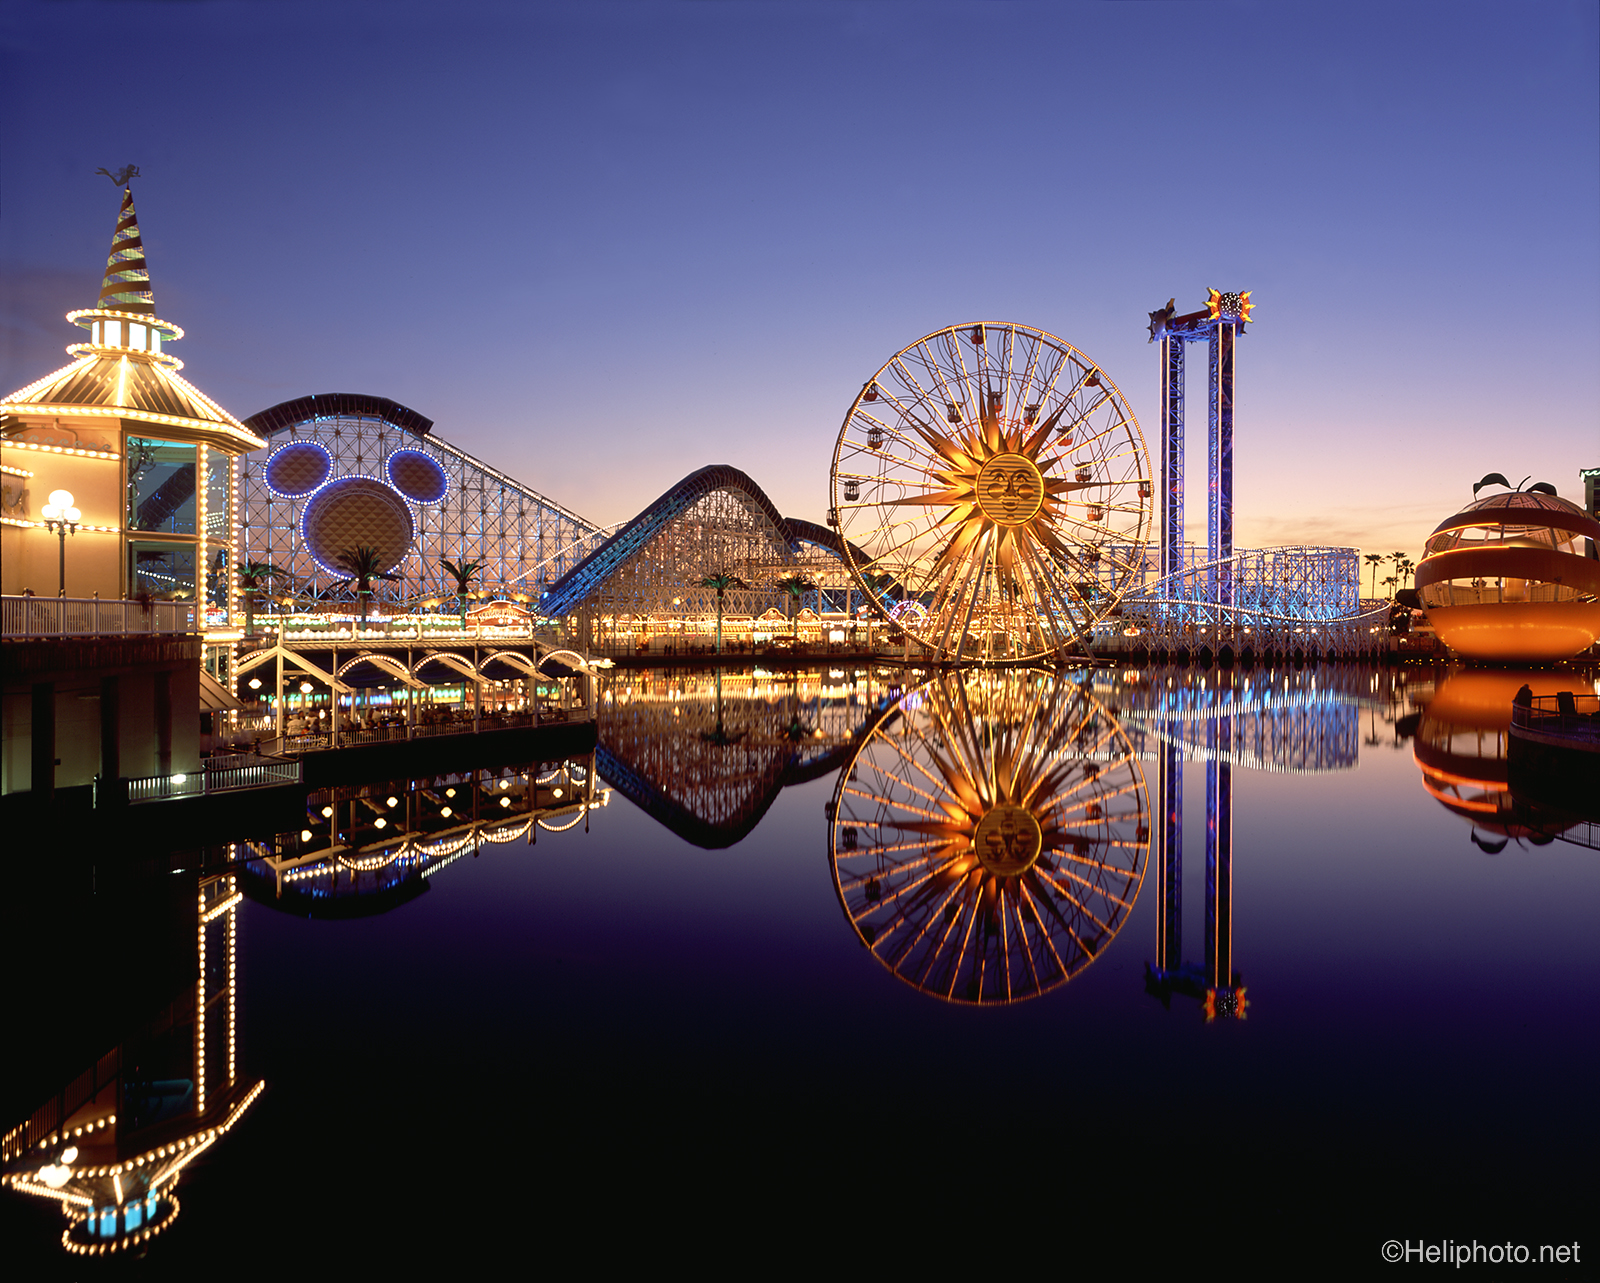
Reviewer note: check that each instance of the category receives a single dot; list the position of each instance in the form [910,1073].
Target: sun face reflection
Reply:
[990,836]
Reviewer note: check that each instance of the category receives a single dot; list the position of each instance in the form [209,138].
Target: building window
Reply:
[162,478]
[163,571]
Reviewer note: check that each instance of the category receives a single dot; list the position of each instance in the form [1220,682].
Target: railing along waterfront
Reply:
[216,775]
[1567,713]
[92,617]
[317,741]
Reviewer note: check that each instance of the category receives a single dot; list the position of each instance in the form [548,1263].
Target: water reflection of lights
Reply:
[1461,749]
[116,1192]
[990,836]
[397,863]
[1296,722]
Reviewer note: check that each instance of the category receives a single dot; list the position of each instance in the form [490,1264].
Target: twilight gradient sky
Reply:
[604,244]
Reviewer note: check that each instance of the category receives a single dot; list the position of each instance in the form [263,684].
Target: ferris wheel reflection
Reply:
[990,835]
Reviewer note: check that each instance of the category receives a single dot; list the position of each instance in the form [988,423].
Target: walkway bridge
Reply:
[368,849]
[516,675]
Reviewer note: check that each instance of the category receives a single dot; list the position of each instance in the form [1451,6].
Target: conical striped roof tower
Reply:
[124,371]
[127,284]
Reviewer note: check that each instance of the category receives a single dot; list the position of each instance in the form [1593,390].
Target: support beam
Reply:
[1219,855]
[163,716]
[1219,472]
[1171,454]
[110,729]
[43,742]
[1169,903]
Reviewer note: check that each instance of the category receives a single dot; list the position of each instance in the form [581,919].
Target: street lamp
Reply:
[61,517]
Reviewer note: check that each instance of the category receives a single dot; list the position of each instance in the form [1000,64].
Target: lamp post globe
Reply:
[61,517]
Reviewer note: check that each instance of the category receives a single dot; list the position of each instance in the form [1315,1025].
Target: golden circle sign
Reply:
[1010,490]
[1007,841]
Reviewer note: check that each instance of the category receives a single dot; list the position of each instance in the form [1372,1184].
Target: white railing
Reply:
[317,741]
[216,775]
[92,617]
[324,628]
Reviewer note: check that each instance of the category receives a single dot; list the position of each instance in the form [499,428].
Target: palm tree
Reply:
[463,575]
[796,586]
[720,737]
[253,578]
[1374,559]
[721,581]
[364,564]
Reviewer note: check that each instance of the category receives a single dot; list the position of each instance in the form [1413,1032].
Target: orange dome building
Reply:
[1513,577]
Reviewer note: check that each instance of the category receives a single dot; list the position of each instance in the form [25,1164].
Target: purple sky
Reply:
[602,245]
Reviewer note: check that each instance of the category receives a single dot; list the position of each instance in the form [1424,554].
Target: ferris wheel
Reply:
[990,836]
[995,475]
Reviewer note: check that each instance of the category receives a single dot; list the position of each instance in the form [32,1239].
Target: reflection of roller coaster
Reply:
[1300,721]
[706,757]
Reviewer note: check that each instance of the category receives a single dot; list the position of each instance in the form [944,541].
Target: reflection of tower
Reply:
[1169,913]
[1217,985]
[1224,996]
[110,1146]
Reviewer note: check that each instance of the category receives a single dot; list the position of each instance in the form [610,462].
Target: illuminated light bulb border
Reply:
[326,489]
[170,333]
[26,394]
[182,1151]
[10,444]
[11,471]
[299,443]
[388,473]
[220,425]
[200,1015]
[142,1235]
[221,907]
[82,526]
[201,491]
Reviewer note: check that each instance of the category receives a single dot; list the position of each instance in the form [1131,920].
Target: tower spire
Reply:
[127,283]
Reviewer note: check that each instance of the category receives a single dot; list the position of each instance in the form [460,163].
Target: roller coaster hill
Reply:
[467,552]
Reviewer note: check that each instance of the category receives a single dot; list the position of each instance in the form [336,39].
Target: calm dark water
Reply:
[625,1043]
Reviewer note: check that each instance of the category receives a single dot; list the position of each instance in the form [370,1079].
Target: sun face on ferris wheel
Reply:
[994,475]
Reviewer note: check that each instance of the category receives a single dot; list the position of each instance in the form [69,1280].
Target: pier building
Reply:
[116,546]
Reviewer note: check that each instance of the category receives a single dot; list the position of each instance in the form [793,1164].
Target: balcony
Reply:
[29,617]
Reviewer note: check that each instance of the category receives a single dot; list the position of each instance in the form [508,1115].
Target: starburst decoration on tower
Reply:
[1229,305]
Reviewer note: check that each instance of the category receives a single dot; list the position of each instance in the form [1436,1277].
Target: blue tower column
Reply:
[1171,454]
[1169,902]
[1219,479]
[1219,862]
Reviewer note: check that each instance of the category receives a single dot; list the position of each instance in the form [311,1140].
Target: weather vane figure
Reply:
[123,176]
